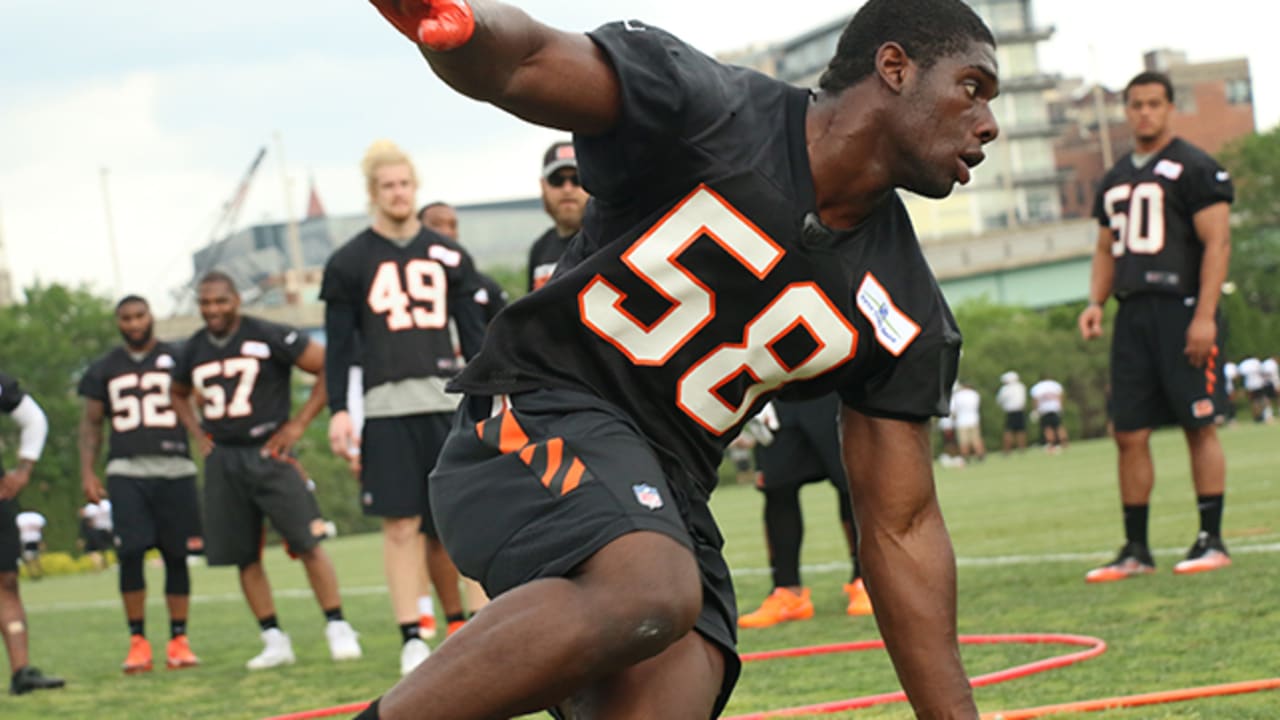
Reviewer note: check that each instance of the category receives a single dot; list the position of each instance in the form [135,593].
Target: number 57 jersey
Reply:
[703,283]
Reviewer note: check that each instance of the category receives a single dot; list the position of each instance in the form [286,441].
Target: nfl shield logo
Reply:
[647,495]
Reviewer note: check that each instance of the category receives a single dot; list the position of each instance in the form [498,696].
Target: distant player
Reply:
[1271,383]
[966,410]
[442,219]
[1163,249]
[1254,383]
[31,526]
[24,410]
[1012,399]
[1047,395]
[150,476]
[393,290]
[565,200]
[743,235]
[804,448]
[239,367]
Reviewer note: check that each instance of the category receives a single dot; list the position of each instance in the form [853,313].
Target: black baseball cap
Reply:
[559,156]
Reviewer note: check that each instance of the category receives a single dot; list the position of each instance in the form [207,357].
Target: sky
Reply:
[155,110]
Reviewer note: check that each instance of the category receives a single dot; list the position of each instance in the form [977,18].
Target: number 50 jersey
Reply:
[134,391]
[1151,210]
[703,283]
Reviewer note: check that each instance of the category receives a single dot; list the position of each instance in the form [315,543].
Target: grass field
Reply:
[1025,530]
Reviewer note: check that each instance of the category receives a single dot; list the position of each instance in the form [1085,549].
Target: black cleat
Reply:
[30,678]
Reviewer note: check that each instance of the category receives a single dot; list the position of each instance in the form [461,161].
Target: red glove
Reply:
[441,25]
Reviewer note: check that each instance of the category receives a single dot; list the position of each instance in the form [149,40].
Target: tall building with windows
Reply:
[1018,183]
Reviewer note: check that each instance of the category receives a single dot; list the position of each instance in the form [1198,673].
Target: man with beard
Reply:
[239,367]
[391,292]
[565,201]
[150,476]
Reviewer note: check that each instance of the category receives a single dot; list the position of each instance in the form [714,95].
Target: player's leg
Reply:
[176,510]
[856,588]
[13,618]
[13,621]
[135,531]
[784,535]
[426,607]
[444,578]
[475,595]
[429,433]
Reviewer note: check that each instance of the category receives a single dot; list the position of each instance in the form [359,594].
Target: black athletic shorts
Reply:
[398,455]
[1015,421]
[96,540]
[1050,420]
[534,491]
[1269,391]
[240,489]
[10,548]
[1152,383]
[154,512]
[805,447]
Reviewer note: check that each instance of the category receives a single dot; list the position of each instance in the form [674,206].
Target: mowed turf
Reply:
[1025,530]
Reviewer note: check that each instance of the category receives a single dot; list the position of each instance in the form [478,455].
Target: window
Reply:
[1239,92]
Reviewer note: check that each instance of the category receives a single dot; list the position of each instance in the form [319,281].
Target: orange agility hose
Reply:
[1093,647]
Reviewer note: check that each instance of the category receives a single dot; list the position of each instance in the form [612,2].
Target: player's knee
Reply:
[1132,440]
[9,583]
[177,578]
[132,577]
[402,531]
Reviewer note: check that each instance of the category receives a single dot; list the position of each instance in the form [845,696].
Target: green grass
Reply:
[1025,530]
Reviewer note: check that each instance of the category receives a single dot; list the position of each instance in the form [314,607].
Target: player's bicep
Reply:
[1213,223]
[311,359]
[568,83]
[94,412]
[890,468]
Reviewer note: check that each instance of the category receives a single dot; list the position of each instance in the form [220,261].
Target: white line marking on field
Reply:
[739,572]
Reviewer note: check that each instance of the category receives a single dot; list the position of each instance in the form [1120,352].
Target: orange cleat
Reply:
[454,627]
[426,626]
[180,655]
[859,600]
[781,605]
[1133,560]
[1208,553]
[139,658]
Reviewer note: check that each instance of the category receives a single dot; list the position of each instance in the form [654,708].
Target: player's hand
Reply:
[92,486]
[440,25]
[343,440]
[1091,322]
[13,482]
[206,444]
[282,440]
[1200,336]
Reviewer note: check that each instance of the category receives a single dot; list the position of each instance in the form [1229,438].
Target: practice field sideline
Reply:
[1025,531]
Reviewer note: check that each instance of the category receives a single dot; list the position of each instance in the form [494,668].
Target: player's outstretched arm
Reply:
[907,558]
[496,53]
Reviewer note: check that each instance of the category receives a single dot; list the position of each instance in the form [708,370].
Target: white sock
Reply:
[425,607]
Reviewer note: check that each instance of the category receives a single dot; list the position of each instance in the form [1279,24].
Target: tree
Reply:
[1252,310]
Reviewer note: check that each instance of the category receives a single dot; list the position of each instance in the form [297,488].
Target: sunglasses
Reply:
[559,179]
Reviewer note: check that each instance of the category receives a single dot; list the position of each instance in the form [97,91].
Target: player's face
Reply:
[564,198]
[947,119]
[1147,108]
[441,219]
[394,188]
[219,306]
[135,324]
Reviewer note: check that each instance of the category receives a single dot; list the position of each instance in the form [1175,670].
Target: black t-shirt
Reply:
[135,396]
[702,281]
[401,300]
[543,256]
[1151,211]
[11,393]
[491,297]
[243,379]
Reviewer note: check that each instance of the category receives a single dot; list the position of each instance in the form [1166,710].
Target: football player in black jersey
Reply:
[394,289]
[565,200]
[20,406]
[1163,249]
[442,219]
[150,475]
[238,367]
[744,238]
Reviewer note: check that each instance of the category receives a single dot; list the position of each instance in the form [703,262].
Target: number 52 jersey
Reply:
[134,391]
[703,283]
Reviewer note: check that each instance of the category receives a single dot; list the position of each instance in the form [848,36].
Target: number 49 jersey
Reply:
[134,392]
[703,283]
[1151,210]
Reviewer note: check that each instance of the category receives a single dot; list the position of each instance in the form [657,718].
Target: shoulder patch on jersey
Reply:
[452,258]
[1169,169]
[894,330]
[164,361]
[255,348]
[1222,176]
[291,338]
[481,297]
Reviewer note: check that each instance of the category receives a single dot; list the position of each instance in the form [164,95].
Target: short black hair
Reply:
[928,30]
[131,299]
[214,276]
[1150,77]
[435,204]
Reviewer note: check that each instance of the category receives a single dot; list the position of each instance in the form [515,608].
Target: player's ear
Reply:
[893,66]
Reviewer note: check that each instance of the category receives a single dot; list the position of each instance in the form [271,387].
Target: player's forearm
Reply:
[1213,272]
[181,401]
[339,352]
[90,443]
[1101,276]
[315,401]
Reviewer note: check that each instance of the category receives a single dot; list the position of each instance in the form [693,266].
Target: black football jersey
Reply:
[491,297]
[543,256]
[135,396]
[11,393]
[242,383]
[1150,211]
[404,298]
[703,283]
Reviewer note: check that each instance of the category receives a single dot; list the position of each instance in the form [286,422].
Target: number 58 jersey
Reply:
[134,391]
[1151,212]
[703,283]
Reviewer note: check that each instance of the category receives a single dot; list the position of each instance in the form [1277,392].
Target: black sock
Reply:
[456,617]
[268,623]
[409,631]
[1135,523]
[333,614]
[857,568]
[1210,513]
[137,627]
[177,627]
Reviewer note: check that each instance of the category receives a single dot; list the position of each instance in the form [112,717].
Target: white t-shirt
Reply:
[101,517]
[965,405]
[1048,396]
[1231,372]
[1251,374]
[1012,397]
[30,526]
[1271,372]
